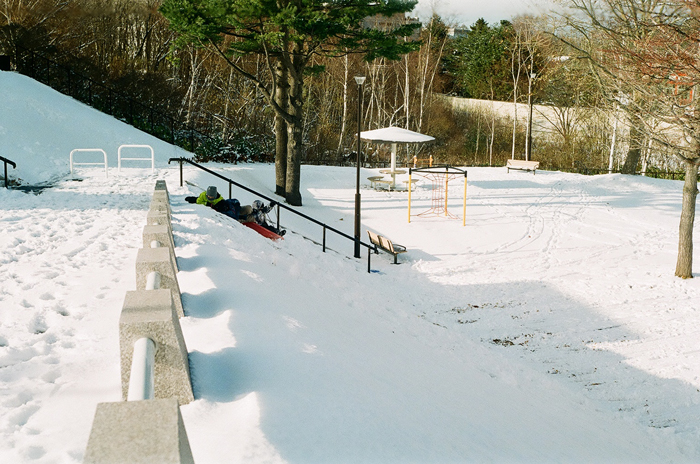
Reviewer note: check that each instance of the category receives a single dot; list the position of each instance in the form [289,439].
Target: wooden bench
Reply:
[522,165]
[386,245]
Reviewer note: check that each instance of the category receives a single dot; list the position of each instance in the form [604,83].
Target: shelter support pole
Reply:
[409,195]
[464,204]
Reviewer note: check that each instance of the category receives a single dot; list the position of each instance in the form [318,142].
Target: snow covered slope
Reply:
[39,127]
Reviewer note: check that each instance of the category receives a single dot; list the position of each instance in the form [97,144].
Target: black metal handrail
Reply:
[279,205]
[5,162]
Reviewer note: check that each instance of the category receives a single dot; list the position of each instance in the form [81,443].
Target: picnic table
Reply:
[393,174]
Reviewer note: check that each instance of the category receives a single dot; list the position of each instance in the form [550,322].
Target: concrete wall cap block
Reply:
[159,211]
[138,432]
[158,260]
[162,234]
[158,218]
[161,195]
[160,205]
[151,314]
[146,306]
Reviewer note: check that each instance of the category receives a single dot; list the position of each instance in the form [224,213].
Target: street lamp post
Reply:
[528,141]
[360,80]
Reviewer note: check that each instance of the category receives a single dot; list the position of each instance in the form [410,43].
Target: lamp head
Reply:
[360,80]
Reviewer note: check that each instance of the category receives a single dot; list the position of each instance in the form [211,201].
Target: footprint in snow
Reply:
[34,452]
[20,416]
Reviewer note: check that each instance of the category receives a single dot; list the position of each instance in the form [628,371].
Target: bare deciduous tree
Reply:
[647,57]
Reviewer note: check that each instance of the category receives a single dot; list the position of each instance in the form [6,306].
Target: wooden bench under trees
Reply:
[522,165]
[386,245]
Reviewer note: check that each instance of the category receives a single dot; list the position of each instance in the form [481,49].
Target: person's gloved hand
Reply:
[273,203]
[191,199]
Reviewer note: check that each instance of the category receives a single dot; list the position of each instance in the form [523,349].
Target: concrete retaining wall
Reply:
[150,431]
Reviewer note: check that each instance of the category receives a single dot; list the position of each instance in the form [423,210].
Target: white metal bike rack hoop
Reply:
[152,159]
[91,150]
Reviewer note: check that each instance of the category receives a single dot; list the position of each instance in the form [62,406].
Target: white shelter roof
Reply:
[394,135]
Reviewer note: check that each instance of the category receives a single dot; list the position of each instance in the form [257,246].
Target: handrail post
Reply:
[6,162]
[324,239]
[229,190]
[180,172]
[278,217]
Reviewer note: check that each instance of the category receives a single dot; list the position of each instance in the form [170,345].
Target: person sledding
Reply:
[211,198]
[257,212]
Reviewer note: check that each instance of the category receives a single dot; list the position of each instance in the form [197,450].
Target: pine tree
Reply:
[287,34]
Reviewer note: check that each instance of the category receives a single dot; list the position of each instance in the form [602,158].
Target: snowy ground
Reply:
[549,329]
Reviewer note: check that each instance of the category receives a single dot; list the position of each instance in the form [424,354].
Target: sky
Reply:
[466,12]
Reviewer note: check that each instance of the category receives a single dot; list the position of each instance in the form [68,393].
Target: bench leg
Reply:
[395,257]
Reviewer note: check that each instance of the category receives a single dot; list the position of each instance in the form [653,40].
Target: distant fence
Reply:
[151,158]
[73,163]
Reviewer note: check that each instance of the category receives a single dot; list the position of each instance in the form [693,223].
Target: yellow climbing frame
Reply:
[440,177]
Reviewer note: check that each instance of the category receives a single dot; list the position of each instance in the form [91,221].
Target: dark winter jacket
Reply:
[219,204]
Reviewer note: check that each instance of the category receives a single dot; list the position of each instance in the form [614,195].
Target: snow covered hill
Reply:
[549,329]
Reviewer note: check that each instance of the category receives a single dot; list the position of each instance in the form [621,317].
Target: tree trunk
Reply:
[684,264]
[344,115]
[635,150]
[281,139]
[515,73]
[646,155]
[295,133]
[294,152]
[612,143]
[478,134]
[407,95]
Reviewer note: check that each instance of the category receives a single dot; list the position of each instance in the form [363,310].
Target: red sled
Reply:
[263,231]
